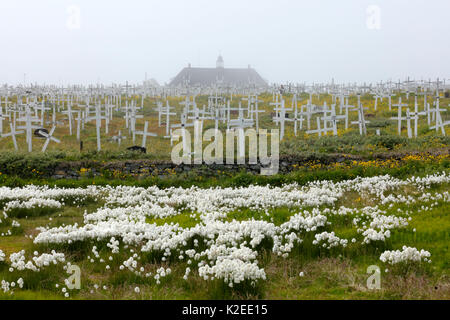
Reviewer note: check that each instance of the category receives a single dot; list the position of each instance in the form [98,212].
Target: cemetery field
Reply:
[346,140]
[359,208]
[298,240]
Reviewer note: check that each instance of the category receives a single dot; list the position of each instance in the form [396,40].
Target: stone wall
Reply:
[143,168]
[76,169]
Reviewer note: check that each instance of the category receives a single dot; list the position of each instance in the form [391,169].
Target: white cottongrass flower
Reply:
[407,254]
[229,248]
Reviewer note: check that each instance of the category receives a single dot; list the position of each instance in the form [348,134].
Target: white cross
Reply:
[439,122]
[187,103]
[48,137]
[415,115]
[319,130]
[42,108]
[276,105]
[333,118]
[159,110]
[408,123]
[145,134]
[168,114]
[390,95]
[28,127]
[69,113]
[399,117]
[361,120]
[375,104]
[253,101]
[119,137]
[183,125]
[98,123]
[132,117]
[239,125]
[2,117]
[12,134]
[281,117]
[426,105]
[79,125]
[297,118]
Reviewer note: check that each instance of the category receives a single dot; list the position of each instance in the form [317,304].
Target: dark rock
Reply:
[38,134]
[137,149]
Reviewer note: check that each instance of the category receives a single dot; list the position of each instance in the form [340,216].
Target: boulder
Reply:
[137,149]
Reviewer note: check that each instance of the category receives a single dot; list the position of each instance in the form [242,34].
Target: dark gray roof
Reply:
[225,76]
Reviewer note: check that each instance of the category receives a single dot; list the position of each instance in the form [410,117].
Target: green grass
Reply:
[329,274]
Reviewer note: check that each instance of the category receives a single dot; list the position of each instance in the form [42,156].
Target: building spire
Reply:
[219,62]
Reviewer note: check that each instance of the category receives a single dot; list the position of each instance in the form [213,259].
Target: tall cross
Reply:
[98,123]
[297,118]
[439,122]
[182,125]
[408,123]
[415,115]
[281,118]
[28,126]
[399,117]
[361,120]
[168,114]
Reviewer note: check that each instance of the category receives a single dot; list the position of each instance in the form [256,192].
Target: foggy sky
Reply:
[299,41]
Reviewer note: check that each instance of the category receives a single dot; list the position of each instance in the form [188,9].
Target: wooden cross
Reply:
[281,118]
[2,117]
[98,123]
[239,125]
[28,127]
[399,117]
[48,137]
[361,120]
[390,95]
[187,104]
[42,108]
[253,101]
[277,105]
[217,117]
[298,119]
[377,96]
[12,134]
[183,125]
[229,109]
[408,123]
[333,118]
[319,130]
[426,107]
[168,114]
[145,134]
[159,110]
[119,138]
[439,122]
[415,115]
